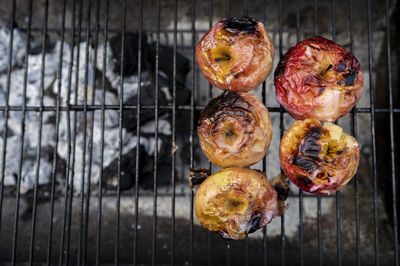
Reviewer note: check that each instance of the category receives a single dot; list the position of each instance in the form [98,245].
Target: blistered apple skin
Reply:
[307,164]
[236,201]
[318,78]
[236,54]
[235,130]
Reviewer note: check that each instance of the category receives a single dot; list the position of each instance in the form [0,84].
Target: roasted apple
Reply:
[237,201]
[236,54]
[318,158]
[235,129]
[318,78]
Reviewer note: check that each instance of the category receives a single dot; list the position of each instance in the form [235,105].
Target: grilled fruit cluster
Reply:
[318,158]
[235,129]
[318,78]
[236,54]
[238,201]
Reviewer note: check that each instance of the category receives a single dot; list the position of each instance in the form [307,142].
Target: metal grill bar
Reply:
[90,144]
[319,211]
[120,119]
[156,85]
[191,137]
[264,161]
[81,252]
[21,149]
[37,176]
[301,229]
[210,24]
[174,147]
[75,120]
[67,176]
[391,126]
[281,126]
[372,101]
[94,107]
[54,166]
[338,233]
[354,129]
[228,246]
[103,100]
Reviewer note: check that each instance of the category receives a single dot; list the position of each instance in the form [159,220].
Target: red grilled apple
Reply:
[235,129]
[237,201]
[318,158]
[236,54]
[318,78]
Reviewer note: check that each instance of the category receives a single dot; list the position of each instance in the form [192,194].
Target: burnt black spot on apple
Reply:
[306,182]
[348,78]
[340,67]
[305,163]
[227,103]
[242,24]
[309,149]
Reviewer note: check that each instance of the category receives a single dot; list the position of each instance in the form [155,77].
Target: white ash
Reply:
[18,51]
[50,86]
[111,134]
[130,82]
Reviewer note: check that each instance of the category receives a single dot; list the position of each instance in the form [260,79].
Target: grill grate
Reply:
[89,107]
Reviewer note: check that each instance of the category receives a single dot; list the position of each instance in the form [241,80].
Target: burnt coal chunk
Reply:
[130,63]
[243,24]
[166,57]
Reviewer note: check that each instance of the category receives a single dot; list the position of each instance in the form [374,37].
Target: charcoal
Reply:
[131,59]
[166,57]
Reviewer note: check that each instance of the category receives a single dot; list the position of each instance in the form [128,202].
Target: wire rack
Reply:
[64,255]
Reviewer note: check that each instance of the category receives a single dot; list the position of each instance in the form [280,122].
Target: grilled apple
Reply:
[318,78]
[236,54]
[235,129]
[236,201]
[318,158]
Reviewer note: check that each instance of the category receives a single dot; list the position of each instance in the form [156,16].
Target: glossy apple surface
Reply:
[235,129]
[317,78]
[236,54]
[236,201]
[318,158]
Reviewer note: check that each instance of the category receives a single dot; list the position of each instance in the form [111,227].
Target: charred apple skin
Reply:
[235,129]
[318,78]
[236,54]
[236,201]
[317,158]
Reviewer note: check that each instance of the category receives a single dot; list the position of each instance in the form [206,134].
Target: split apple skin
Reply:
[235,129]
[236,54]
[236,201]
[317,78]
[317,158]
